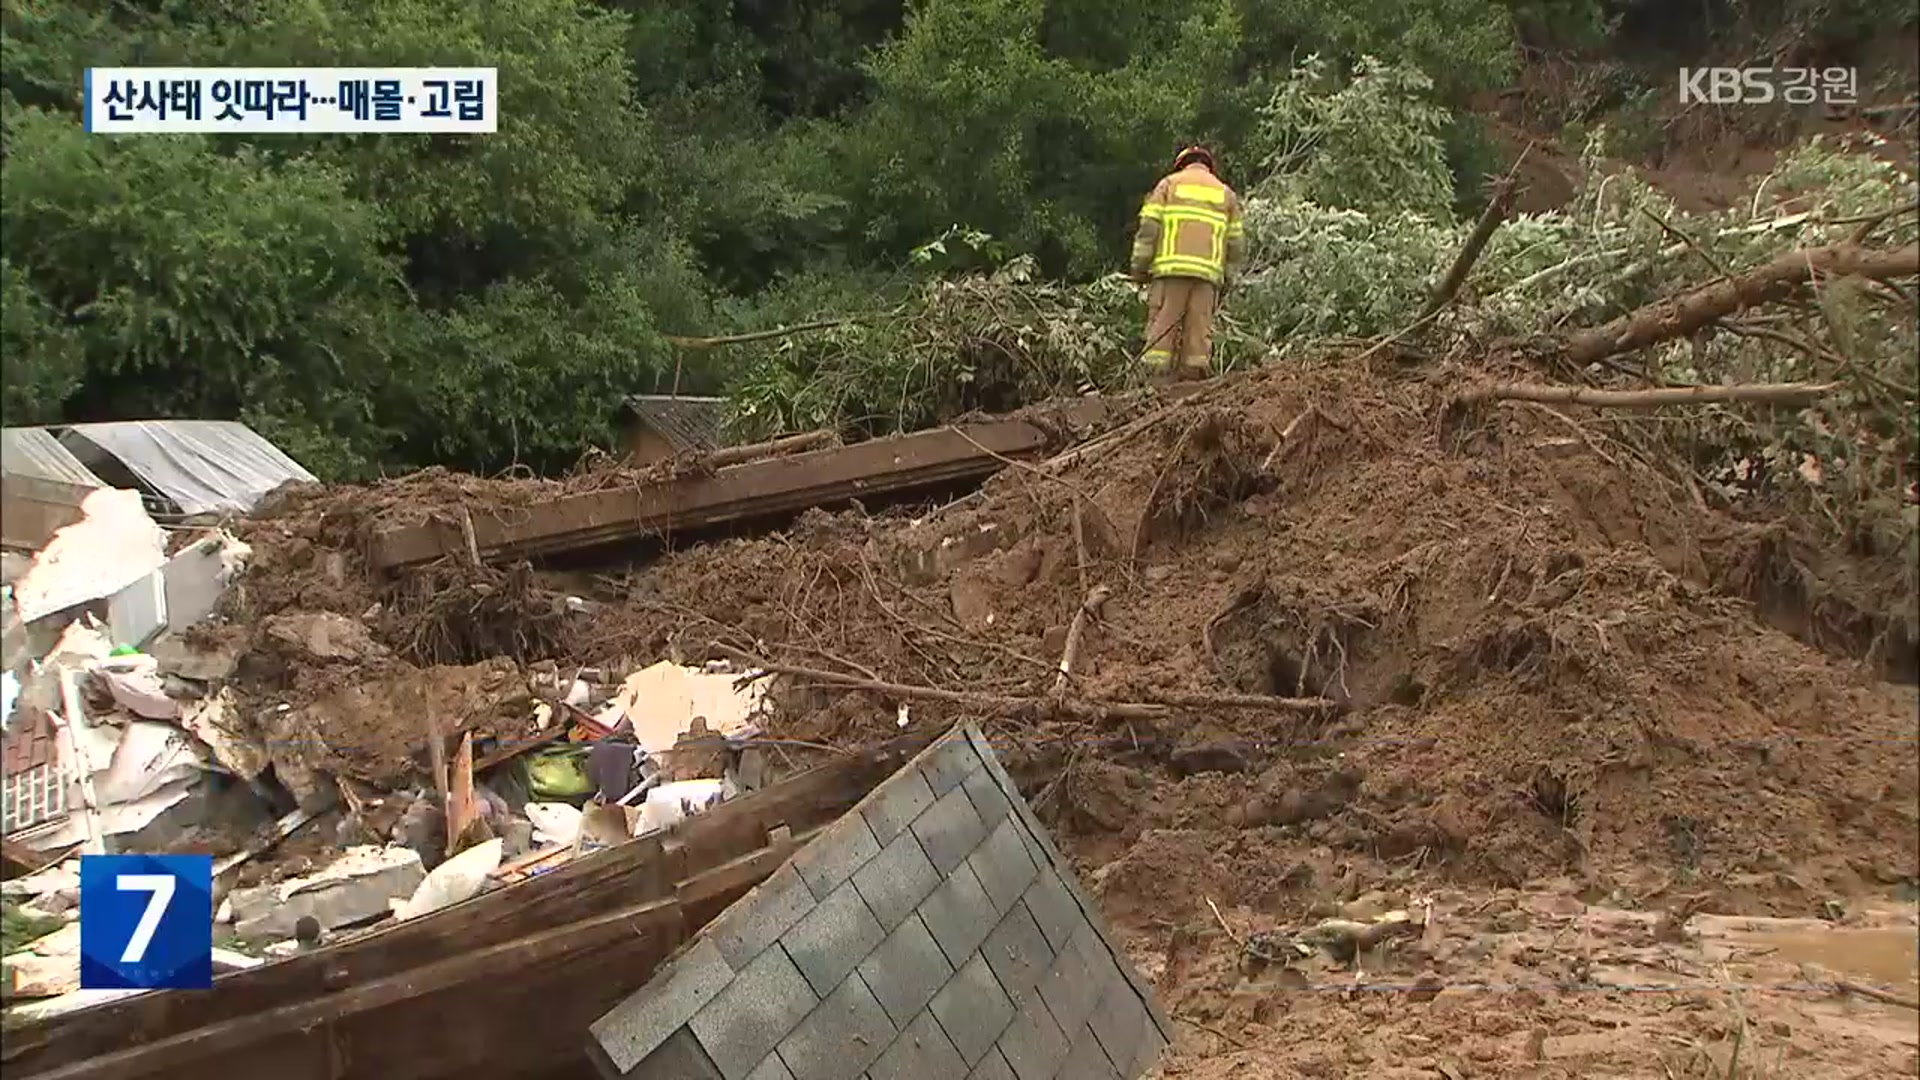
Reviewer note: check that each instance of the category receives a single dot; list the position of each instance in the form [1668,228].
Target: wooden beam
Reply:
[19,860]
[204,1046]
[744,492]
[545,957]
[786,444]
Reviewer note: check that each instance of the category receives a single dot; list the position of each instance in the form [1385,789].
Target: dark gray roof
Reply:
[935,931]
[689,424]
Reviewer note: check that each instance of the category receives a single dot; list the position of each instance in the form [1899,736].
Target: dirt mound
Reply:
[1552,660]
[1549,652]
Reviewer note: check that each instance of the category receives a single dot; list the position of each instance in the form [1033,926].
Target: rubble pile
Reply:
[1299,634]
[276,722]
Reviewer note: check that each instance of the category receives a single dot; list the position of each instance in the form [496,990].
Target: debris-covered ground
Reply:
[1541,694]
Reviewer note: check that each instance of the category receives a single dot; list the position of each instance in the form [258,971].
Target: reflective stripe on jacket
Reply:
[1190,226]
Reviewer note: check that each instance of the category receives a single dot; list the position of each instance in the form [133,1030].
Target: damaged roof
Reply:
[199,465]
[689,424]
[34,452]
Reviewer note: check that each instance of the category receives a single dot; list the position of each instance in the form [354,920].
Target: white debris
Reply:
[452,881]
[661,702]
[134,681]
[356,887]
[70,1002]
[669,804]
[553,823]
[51,880]
[150,757]
[114,545]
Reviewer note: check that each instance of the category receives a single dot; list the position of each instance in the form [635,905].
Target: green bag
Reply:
[559,774]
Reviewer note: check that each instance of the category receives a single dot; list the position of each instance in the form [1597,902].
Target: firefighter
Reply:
[1190,247]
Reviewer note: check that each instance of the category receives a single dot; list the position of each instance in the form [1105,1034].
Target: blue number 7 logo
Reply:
[146,922]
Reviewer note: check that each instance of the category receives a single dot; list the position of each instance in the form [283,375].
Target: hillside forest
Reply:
[942,191]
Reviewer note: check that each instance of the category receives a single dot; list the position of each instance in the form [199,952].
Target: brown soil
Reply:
[1562,674]
[1536,984]
[1704,157]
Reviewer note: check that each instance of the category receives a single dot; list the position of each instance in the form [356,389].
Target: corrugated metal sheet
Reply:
[202,465]
[34,452]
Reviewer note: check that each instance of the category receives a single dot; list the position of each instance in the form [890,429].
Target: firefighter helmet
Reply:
[1192,155]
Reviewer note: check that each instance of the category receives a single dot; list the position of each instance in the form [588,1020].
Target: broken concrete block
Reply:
[323,635]
[358,887]
[201,661]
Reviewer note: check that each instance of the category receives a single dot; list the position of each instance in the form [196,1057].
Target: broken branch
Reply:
[1874,993]
[1145,525]
[786,444]
[1483,230]
[1027,705]
[1286,437]
[766,335]
[1755,393]
[1076,636]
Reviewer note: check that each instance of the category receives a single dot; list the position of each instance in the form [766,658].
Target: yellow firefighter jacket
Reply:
[1190,227]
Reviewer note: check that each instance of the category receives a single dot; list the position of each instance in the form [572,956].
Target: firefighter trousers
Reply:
[1180,324]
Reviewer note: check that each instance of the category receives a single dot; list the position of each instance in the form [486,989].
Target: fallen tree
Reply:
[1678,316]
[1756,393]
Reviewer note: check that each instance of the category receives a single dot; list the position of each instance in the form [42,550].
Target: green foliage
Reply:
[961,174]
[45,363]
[1467,45]
[983,342]
[191,283]
[369,301]
[1371,142]
[19,928]
[973,120]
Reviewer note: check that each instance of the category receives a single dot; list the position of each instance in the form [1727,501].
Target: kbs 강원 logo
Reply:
[1765,85]
[146,922]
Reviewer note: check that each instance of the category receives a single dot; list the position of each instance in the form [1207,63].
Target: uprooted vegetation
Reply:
[1836,474]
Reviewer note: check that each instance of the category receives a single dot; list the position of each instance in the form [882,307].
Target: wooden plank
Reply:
[629,873]
[644,870]
[200,1047]
[19,860]
[463,810]
[774,486]
[508,749]
[432,1022]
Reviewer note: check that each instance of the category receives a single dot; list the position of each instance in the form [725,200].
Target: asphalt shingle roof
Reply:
[689,424]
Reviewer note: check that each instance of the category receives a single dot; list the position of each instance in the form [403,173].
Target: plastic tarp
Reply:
[34,452]
[201,465]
